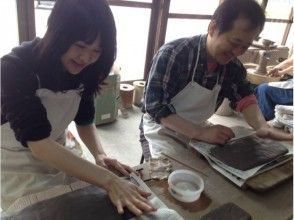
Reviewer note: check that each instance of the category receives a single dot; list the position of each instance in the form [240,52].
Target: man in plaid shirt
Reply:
[190,77]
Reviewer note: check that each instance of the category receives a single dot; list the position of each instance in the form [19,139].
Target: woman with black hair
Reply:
[47,83]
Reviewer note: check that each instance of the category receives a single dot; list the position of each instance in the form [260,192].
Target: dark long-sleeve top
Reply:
[172,70]
[19,104]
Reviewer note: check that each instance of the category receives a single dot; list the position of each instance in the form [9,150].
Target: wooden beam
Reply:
[198,16]
[26,20]
[154,18]
[157,31]
[278,20]
[264,4]
[130,4]
[189,16]
[288,27]
[161,29]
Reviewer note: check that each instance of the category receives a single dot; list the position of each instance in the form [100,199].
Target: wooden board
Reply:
[271,178]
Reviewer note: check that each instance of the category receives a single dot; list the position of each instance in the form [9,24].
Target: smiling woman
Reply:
[46,84]
[80,55]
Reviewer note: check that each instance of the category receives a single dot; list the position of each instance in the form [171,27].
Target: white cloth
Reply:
[161,213]
[284,117]
[284,109]
[21,173]
[194,103]
[282,84]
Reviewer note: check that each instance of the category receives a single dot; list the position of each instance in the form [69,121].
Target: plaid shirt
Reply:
[172,70]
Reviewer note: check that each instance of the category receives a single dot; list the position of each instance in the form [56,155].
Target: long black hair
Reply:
[230,10]
[80,20]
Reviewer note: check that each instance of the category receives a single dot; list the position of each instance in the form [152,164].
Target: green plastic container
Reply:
[107,102]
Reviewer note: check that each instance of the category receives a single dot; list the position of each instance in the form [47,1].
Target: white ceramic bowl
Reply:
[185,185]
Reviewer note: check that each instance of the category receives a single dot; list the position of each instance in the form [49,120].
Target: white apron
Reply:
[194,103]
[22,174]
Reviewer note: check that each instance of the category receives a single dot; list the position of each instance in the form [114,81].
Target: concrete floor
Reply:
[120,138]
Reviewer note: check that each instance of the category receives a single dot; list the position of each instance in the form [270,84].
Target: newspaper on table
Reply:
[237,176]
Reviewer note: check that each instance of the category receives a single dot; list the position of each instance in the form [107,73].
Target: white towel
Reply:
[162,212]
[284,117]
[284,109]
[282,84]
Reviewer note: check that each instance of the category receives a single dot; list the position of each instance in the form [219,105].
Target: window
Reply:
[181,24]
[42,12]
[273,31]
[132,32]
[177,28]
[9,26]
[193,6]
[180,18]
[280,9]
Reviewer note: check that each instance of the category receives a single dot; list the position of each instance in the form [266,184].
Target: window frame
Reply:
[157,26]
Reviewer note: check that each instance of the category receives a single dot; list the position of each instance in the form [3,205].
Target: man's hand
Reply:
[113,165]
[274,133]
[216,134]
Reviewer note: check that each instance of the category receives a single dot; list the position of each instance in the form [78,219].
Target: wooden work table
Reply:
[276,203]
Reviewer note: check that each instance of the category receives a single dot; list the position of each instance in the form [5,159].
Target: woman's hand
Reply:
[216,134]
[285,67]
[125,194]
[275,72]
[114,165]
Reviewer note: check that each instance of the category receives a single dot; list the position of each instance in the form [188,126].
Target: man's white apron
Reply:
[194,103]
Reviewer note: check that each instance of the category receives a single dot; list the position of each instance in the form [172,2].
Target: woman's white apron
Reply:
[23,177]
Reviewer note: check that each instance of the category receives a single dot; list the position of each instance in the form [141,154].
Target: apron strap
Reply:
[221,76]
[197,59]
[39,82]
